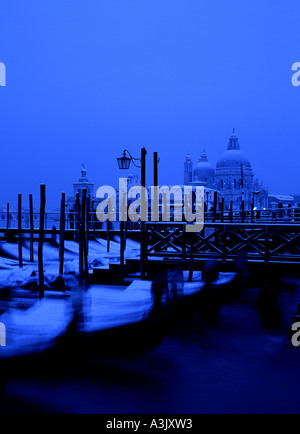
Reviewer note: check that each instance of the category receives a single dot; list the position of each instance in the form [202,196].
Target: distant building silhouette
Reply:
[233,177]
[83,183]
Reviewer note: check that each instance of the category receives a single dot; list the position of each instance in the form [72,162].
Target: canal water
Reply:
[236,362]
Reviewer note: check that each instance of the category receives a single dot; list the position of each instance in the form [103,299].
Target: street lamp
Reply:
[124,161]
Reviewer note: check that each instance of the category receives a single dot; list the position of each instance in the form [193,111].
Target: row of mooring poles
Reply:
[31,235]
[82,219]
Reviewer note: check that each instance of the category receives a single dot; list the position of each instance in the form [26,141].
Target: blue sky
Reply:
[86,79]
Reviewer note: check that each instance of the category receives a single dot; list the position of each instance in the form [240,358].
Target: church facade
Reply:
[232,178]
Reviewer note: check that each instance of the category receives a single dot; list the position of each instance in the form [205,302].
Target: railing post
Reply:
[267,246]
[191,270]
[183,244]
[222,210]
[224,247]
[144,248]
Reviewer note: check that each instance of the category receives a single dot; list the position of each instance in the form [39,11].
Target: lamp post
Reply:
[124,164]
[155,164]
[126,159]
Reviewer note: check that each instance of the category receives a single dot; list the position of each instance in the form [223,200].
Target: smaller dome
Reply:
[204,170]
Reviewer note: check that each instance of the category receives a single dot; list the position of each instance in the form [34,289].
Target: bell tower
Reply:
[188,170]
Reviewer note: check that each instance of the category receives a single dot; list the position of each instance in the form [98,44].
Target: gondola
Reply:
[60,329]
[130,323]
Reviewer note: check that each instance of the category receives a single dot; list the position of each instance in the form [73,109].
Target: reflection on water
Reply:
[235,362]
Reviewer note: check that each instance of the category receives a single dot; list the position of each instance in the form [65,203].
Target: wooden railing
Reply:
[224,241]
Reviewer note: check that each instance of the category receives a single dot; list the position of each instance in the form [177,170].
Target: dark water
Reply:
[234,363]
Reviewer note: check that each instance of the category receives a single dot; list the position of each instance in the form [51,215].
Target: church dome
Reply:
[204,170]
[233,157]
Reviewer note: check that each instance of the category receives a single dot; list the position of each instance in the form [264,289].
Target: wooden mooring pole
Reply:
[77,217]
[144,210]
[7,223]
[31,227]
[20,230]
[122,249]
[41,240]
[62,233]
[215,207]
[85,236]
[108,227]
[80,239]
[88,221]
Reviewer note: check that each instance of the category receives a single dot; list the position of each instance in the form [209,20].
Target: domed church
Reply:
[233,177]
